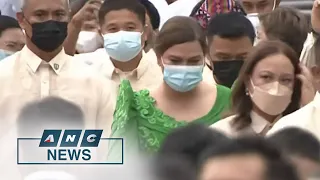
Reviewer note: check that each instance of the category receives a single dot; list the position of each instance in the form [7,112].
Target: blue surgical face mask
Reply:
[123,45]
[182,78]
[4,54]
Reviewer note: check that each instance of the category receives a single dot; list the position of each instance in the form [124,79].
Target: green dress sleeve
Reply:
[124,125]
[141,125]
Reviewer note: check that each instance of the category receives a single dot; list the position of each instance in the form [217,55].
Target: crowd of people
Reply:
[210,90]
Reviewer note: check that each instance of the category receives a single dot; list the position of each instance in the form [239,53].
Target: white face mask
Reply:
[254,19]
[89,41]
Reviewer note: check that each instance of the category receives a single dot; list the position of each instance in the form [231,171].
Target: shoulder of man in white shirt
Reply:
[224,125]
[93,59]
[106,90]
[76,69]
[8,63]
[81,70]
[299,118]
[307,55]
[7,69]
[100,60]
[79,64]
[103,89]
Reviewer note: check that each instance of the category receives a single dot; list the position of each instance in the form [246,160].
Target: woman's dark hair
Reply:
[241,102]
[179,30]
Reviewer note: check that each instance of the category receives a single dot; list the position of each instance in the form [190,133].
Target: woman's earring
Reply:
[247,92]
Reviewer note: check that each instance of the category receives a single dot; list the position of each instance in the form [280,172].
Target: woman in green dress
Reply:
[145,118]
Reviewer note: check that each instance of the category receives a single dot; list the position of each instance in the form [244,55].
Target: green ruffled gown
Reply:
[143,126]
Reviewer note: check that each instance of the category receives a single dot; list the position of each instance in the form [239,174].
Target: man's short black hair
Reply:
[51,112]
[277,166]
[230,25]
[297,142]
[7,22]
[153,13]
[114,5]
[173,167]
[191,141]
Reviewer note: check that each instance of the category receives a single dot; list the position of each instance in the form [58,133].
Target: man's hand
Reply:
[315,16]
[88,12]
[316,3]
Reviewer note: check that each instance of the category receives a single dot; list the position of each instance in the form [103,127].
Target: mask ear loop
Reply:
[209,66]
[162,62]
[142,33]
[24,31]
[204,62]
[274,5]
[253,87]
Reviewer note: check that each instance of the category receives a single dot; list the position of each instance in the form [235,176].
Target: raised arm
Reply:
[88,10]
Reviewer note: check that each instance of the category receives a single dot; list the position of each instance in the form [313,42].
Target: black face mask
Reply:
[226,72]
[49,35]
